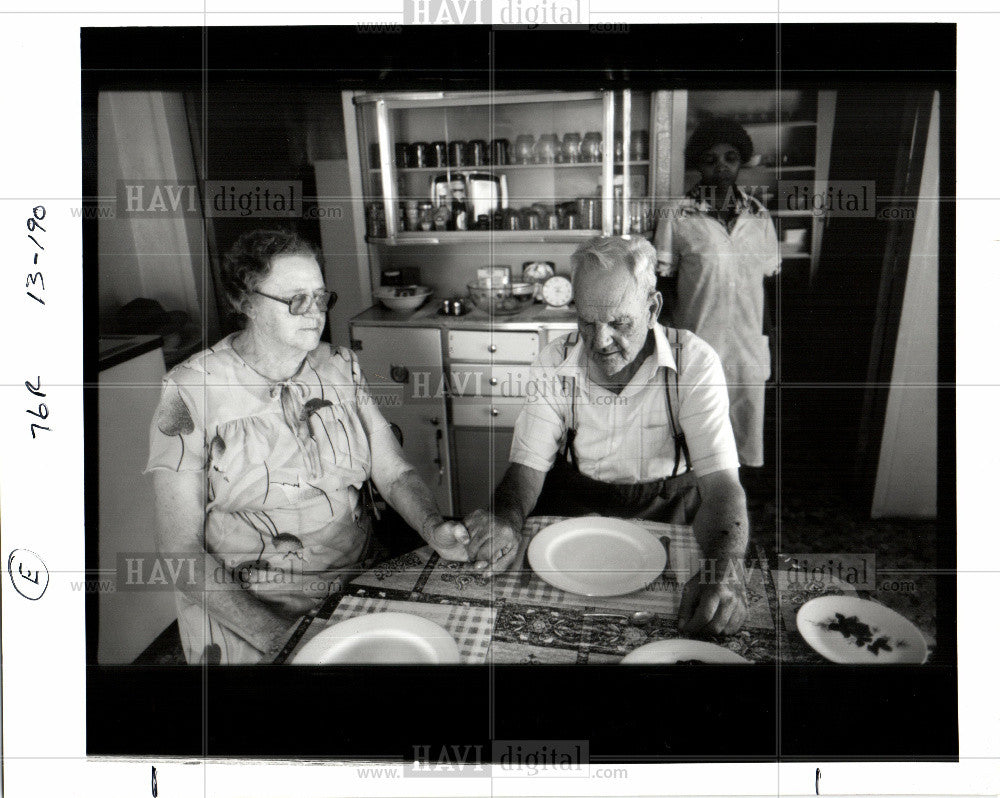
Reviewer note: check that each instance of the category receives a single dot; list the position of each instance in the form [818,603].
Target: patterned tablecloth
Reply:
[516,617]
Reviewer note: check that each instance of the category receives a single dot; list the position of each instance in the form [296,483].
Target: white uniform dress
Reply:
[720,297]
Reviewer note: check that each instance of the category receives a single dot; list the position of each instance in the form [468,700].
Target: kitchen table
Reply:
[517,618]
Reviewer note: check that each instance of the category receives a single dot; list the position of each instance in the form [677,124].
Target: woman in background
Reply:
[259,450]
[716,246]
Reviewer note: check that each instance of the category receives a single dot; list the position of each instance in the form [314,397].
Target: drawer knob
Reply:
[494,412]
[492,347]
[493,380]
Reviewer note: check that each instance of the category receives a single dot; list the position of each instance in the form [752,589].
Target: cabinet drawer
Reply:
[482,379]
[468,412]
[478,345]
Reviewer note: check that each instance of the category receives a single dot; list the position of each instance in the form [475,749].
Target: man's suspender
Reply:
[680,441]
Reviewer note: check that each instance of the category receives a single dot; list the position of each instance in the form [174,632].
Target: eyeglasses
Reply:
[300,304]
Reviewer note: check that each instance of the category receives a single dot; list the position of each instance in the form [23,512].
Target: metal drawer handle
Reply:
[494,412]
[492,347]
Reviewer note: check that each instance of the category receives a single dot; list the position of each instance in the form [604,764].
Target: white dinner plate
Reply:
[905,640]
[595,556]
[383,638]
[672,652]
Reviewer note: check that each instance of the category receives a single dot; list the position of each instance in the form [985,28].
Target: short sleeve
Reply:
[177,431]
[704,410]
[368,405]
[770,249]
[540,428]
[663,241]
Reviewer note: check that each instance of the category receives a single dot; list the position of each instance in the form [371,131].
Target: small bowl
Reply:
[403,298]
[502,300]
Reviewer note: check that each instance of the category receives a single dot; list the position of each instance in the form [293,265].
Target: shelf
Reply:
[781,123]
[433,238]
[437,238]
[779,168]
[509,166]
[796,255]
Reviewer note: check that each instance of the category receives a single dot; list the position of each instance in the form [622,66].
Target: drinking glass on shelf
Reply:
[591,148]
[571,145]
[524,148]
[639,145]
[545,149]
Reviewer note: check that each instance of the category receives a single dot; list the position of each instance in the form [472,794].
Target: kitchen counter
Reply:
[113,349]
[531,318]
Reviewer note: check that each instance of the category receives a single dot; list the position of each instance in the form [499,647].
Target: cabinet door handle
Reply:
[492,347]
[493,380]
[494,412]
[438,461]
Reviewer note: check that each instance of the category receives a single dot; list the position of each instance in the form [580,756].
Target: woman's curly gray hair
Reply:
[248,261]
[605,254]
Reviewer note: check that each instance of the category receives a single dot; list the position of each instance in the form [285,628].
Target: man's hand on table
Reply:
[450,539]
[713,607]
[495,542]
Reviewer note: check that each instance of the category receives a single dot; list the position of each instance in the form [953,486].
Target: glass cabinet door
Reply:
[632,201]
[538,166]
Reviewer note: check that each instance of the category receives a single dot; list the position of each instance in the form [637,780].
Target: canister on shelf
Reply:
[425,209]
[420,154]
[618,211]
[639,147]
[412,215]
[375,218]
[477,152]
[439,153]
[590,212]
[457,153]
[500,152]
[402,154]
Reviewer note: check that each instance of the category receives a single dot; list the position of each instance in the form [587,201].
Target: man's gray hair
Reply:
[635,254]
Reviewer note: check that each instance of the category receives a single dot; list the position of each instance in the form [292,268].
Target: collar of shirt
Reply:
[575,364]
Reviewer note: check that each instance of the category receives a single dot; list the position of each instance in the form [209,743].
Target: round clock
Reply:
[557,292]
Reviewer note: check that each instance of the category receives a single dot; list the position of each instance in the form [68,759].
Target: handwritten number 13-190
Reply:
[34,280]
[43,410]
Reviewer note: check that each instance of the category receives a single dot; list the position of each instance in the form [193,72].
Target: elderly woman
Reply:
[260,449]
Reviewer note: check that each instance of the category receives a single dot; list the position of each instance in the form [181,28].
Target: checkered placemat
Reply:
[472,627]
[522,586]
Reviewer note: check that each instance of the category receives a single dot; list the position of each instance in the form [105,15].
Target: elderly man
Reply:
[627,418]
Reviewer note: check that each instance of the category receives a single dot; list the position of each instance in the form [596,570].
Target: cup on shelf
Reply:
[793,240]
